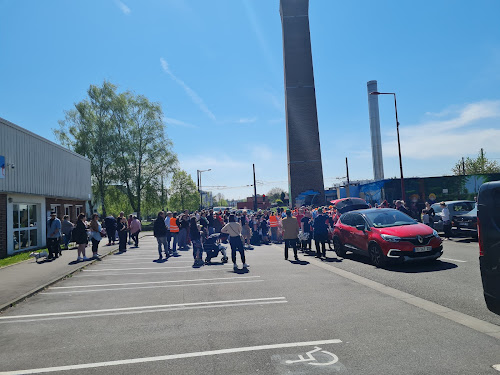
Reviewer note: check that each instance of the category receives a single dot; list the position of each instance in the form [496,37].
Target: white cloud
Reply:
[262,152]
[173,121]
[470,129]
[189,91]
[221,161]
[276,121]
[247,120]
[125,9]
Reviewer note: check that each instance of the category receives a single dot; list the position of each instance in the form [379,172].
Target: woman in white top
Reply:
[233,228]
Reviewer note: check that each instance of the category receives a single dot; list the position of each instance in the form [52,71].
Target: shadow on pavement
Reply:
[120,252]
[46,260]
[465,240]
[430,266]
[214,263]
[332,260]
[300,262]
[241,271]
[163,260]
[415,267]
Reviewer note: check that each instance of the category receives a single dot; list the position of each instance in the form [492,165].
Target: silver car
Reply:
[455,207]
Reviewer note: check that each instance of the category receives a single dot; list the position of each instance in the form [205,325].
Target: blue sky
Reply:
[217,69]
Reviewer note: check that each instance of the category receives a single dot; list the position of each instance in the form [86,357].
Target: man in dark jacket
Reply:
[160,232]
[400,206]
[110,224]
[320,233]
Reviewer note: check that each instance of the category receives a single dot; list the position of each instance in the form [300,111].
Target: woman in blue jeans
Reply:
[233,228]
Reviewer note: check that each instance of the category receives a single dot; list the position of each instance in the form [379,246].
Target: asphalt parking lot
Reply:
[131,315]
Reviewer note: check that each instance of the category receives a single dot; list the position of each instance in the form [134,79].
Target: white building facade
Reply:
[37,176]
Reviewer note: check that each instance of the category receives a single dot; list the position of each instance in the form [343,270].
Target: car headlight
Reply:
[435,233]
[389,238]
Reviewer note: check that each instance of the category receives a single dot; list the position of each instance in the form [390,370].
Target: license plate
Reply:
[463,224]
[423,249]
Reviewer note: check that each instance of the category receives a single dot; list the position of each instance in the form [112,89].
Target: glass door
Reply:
[25,226]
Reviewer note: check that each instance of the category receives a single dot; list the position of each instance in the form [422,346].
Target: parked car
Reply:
[385,235]
[466,223]
[455,208]
[221,209]
[344,205]
[488,220]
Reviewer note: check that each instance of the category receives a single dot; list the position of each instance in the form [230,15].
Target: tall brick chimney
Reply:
[305,171]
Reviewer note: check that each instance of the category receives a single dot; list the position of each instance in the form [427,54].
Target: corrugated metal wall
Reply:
[41,167]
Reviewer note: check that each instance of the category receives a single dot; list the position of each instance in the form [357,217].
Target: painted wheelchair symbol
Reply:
[310,358]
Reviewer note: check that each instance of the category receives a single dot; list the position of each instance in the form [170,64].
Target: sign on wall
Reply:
[2,165]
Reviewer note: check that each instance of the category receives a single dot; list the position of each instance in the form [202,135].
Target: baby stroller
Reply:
[212,248]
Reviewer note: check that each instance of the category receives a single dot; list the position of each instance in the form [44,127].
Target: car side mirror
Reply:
[360,227]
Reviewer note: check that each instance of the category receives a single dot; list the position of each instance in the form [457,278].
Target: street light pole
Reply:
[199,172]
[403,193]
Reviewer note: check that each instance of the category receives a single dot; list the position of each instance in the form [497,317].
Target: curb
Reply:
[38,289]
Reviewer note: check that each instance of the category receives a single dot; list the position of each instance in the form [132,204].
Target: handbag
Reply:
[237,234]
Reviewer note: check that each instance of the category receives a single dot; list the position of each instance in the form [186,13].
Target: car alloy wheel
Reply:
[376,256]
[338,247]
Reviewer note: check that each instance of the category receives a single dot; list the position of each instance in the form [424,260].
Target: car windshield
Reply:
[473,212]
[390,218]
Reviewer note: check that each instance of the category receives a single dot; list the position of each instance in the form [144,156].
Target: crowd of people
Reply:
[206,231]
[93,231]
[243,230]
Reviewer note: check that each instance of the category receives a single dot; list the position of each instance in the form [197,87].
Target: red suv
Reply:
[385,235]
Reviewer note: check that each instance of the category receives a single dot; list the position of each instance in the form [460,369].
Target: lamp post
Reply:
[199,172]
[403,194]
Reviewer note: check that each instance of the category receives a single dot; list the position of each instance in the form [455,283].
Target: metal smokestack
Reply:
[378,164]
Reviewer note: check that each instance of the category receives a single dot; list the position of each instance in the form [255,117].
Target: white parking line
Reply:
[134,268]
[153,282]
[455,260]
[151,287]
[152,259]
[87,312]
[496,367]
[205,269]
[172,356]
[125,263]
[260,303]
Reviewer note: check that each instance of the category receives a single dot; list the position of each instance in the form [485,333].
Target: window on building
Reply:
[25,225]
[78,210]
[67,210]
[55,208]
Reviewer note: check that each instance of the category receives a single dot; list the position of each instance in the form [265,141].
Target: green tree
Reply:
[183,192]
[89,131]
[220,201]
[274,194]
[116,200]
[145,153]
[123,135]
[479,165]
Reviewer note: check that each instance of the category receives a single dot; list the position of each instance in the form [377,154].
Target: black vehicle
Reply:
[466,222]
[350,204]
[488,215]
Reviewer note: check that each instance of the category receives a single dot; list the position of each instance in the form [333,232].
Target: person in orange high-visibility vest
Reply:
[273,223]
[174,232]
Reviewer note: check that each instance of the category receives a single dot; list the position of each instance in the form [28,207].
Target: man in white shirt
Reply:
[445,212]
